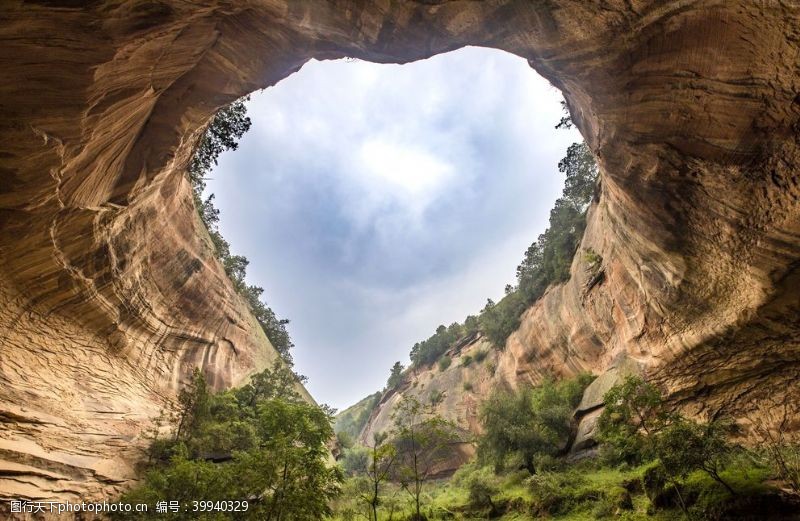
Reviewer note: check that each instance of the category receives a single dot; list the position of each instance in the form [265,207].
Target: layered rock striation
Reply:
[109,291]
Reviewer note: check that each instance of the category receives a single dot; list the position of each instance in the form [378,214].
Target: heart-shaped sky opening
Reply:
[376,202]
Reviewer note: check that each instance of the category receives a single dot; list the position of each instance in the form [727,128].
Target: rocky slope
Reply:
[110,293]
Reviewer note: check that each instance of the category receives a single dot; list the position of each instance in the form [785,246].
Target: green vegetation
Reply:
[582,491]
[259,451]
[498,320]
[382,458]
[592,258]
[675,468]
[529,424]
[430,350]
[547,261]
[444,363]
[634,411]
[395,376]
[259,448]
[637,426]
[222,133]
[393,474]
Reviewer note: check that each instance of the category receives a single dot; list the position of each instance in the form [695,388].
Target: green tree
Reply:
[274,327]
[260,444]
[224,130]
[289,474]
[192,405]
[471,325]
[547,261]
[636,425]
[685,446]
[499,320]
[344,440]
[580,169]
[529,423]
[423,440]
[634,411]
[429,351]
[355,461]
[278,382]
[395,376]
[382,457]
[566,119]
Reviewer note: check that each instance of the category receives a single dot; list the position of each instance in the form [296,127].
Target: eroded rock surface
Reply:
[110,293]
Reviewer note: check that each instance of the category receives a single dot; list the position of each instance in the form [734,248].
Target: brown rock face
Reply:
[109,293]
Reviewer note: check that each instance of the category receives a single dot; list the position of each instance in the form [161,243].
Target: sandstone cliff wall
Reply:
[110,293]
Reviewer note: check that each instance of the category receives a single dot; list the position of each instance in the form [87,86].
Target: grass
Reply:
[583,491]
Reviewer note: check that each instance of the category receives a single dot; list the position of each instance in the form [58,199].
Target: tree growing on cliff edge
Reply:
[395,376]
[223,132]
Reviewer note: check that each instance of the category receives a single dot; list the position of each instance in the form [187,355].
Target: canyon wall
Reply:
[109,291]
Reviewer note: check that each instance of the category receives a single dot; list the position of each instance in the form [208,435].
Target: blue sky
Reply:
[376,202]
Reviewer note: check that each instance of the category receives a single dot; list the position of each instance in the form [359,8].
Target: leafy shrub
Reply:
[436,397]
[355,461]
[468,386]
[685,446]
[529,422]
[480,356]
[466,361]
[444,363]
[591,257]
[481,492]
[554,493]
[344,440]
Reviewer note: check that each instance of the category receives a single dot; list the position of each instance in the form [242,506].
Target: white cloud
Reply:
[412,170]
